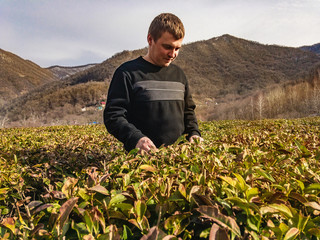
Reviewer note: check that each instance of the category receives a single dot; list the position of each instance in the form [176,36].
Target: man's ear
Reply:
[149,39]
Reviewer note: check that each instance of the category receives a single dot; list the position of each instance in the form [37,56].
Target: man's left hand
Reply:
[193,138]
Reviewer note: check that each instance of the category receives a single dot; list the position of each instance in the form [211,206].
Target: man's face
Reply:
[164,50]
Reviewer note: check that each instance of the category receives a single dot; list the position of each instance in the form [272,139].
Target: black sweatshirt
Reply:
[148,100]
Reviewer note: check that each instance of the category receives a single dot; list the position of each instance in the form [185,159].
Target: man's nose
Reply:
[172,53]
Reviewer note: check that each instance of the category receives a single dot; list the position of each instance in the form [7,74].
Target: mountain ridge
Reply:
[18,75]
[220,70]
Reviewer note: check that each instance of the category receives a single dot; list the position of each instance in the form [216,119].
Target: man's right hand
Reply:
[145,144]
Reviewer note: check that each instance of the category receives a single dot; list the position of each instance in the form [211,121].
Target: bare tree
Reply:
[4,120]
[260,105]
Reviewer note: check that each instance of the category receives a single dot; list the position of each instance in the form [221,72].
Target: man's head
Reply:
[166,22]
[165,38]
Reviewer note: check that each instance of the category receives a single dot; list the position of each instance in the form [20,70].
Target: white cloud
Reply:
[78,32]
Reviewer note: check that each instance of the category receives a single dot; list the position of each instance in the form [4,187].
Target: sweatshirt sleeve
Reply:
[190,120]
[116,111]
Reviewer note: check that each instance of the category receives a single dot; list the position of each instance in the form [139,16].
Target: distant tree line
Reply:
[283,101]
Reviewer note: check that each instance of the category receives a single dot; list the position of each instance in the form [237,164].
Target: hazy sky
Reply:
[77,32]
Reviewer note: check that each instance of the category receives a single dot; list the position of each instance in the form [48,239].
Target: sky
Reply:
[79,32]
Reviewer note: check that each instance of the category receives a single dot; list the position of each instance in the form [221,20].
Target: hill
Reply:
[63,72]
[313,48]
[222,71]
[18,76]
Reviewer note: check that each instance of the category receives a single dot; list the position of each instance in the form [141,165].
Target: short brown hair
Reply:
[166,22]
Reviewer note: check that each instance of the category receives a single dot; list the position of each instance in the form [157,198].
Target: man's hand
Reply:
[145,144]
[193,138]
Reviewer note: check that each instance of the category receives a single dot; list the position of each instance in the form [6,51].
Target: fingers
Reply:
[195,138]
[145,144]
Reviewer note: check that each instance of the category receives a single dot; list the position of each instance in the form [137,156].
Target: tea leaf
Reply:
[148,168]
[223,220]
[117,199]
[298,197]
[66,209]
[312,187]
[140,208]
[282,208]
[217,232]
[251,192]
[264,174]
[4,190]
[314,205]
[99,189]
[291,234]
[9,223]
[241,182]
[177,223]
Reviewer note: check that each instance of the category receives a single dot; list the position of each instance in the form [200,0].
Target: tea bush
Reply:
[247,180]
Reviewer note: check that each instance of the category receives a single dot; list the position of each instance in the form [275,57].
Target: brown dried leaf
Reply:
[37,229]
[42,207]
[218,233]
[66,209]
[58,195]
[99,189]
[201,199]
[213,213]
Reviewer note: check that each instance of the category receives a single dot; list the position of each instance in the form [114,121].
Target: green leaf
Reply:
[314,232]
[84,194]
[303,149]
[242,203]
[282,209]
[241,182]
[117,199]
[195,169]
[140,209]
[175,224]
[127,233]
[251,192]
[312,187]
[264,174]
[301,184]
[205,233]
[89,221]
[4,190]
[80,228]
[253,222]
[229,180]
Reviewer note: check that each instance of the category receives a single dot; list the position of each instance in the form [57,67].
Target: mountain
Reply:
[222,72]
[63,72]
[313,48]
[18,76]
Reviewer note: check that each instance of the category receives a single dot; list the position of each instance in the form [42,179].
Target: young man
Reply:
[149,102]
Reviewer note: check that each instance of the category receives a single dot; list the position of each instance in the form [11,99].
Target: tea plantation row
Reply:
[247,180]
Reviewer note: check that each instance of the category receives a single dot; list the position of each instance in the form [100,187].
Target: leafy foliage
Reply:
[248,180]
